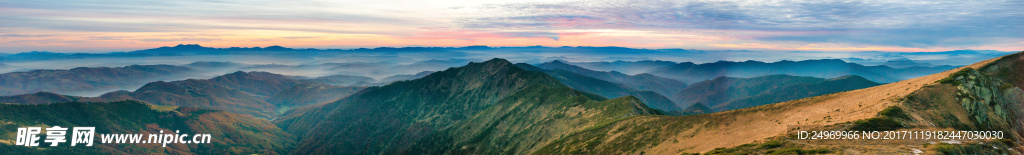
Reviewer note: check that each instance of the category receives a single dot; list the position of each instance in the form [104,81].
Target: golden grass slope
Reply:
[702,133]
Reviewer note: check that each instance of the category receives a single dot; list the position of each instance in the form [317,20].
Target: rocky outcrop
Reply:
[986,90]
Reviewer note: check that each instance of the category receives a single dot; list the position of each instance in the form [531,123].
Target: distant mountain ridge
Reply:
[608,89]
[260,94]
[86,80]
[646,82]
[342,80]
[238,92]
[46,97]
[627,67]
[309,93]
[824,68]
[608,58]
[728,93]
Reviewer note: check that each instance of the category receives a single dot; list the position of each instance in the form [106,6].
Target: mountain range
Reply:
[728,93]
[230,133]
[497,107]
[436,112]
[627,67]
[239,92]
[608,89]
[824,68]
[86,80]
[260,94]
[642,81]
[530,54]
[719,94]
[984,96]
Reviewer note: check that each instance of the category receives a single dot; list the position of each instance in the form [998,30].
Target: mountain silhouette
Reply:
[824,68]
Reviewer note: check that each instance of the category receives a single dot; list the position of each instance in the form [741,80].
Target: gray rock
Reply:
[1014,95]
[985,95]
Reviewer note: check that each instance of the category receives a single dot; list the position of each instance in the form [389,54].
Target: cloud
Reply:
[787,24]
[23,35]
[179,39]
[889,23]
[299,37]
[472,35]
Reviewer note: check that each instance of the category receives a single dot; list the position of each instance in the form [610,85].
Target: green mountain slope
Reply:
[260,84]
[607,89]
[259,94]
[395,115]
[198,93]
[647,82]
[231,133]
[415,115]
[309,93]
[526,121]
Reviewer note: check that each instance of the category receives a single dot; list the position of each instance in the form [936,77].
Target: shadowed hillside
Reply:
[46,97]
[231,133]
[727,93]
[84,80]
[341,80]
[628,67]
[608,89]
[309,93]
[647,82]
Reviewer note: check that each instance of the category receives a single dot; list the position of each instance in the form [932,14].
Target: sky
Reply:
[780,25]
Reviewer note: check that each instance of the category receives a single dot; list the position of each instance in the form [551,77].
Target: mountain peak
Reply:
[492,65]
[188,46]
[559,62]
[445,98]
[252,74]
[827,60]
[850,77]
[496,61]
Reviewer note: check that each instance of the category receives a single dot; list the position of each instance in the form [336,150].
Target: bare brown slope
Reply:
[702,133]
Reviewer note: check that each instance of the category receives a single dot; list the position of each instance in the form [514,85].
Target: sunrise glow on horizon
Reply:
[107,26]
